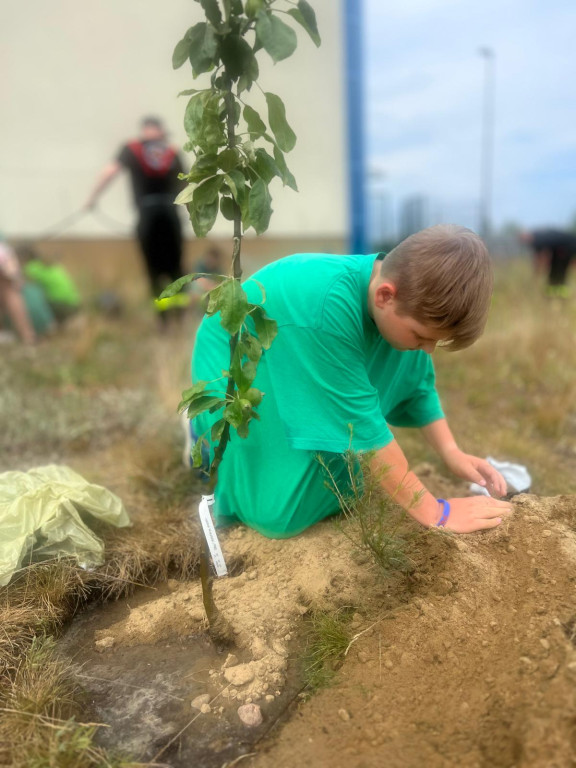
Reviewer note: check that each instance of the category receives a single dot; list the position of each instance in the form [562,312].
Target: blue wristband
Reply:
[445,513]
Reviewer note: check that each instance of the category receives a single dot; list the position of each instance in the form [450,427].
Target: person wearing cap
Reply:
[153,166]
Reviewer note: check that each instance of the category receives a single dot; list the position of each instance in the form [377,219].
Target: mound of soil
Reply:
[476,669]
[469,660]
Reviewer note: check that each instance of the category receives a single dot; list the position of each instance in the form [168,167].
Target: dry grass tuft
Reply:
[38,728]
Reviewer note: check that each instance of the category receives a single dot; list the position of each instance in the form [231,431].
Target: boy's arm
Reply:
[467,515]
[463,465]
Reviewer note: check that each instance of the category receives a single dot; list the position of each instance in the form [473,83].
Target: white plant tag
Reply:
[210,534]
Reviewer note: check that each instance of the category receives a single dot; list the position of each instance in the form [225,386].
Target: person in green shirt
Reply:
[56,282]
[353,356]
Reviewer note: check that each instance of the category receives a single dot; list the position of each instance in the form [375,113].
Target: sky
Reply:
[425,82]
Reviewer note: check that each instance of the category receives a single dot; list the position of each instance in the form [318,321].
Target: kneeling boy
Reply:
[353,355]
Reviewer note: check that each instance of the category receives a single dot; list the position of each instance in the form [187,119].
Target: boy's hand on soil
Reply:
[476,470]
[476,514]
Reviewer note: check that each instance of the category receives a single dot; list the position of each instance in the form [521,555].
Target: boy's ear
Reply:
[384,293]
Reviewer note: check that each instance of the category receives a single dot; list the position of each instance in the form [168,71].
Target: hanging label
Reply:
[210,534]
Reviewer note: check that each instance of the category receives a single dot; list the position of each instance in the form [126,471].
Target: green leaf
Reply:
[204,403]
[234,414]
[213,303]
[207,192]
[305,16]
[206,165]
[227,208]
[202,122]
[232,7]
[256,125]
[177,285]
[191,91]
[252,7]
[194,113]
[242,373]
[259,206]
[233,306]
[250,346]
[283,134]
[265,166]
[287,177]
[266,328]
[185,196]
[196,452]
[217,429]
[203,48]
[278,39]
[212,12]
[237,56]
[195,389]
[228,159]
[181,52]
[237,183]
[203,217]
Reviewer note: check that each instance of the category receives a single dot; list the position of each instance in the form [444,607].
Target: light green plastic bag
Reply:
[40,514]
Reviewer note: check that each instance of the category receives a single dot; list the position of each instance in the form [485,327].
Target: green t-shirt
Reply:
[55,280]
[331,382]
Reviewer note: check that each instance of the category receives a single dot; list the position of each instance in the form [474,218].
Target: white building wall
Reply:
[77,77]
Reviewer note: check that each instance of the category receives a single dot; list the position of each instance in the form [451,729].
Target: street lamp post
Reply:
[487,156]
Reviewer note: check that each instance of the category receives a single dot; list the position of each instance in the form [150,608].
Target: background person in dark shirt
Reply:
[554,251]
[153,166]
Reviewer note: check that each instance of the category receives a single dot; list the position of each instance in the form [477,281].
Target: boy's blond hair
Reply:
[443,276]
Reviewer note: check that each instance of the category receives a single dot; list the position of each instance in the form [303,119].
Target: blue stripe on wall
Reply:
[355,124]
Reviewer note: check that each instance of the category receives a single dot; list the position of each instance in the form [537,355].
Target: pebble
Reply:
[388,664]
[250,715]
[544,643]
[511,548]
[251,575]
[546,533]
[199,701]
[231,661]
[205,709]
[104,643]
[239,675]
[344,715]
[278,648]
[269,698]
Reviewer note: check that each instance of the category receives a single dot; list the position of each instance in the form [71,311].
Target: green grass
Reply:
[328,638]
[371,520]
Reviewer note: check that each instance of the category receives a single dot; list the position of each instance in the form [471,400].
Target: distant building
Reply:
[414,215]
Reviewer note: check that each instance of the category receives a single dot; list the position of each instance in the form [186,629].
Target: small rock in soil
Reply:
[239,675]
[231,661]
[104,643]
[343,715]
[199,701]
[250,715]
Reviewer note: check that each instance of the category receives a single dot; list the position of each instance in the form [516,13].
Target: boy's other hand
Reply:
[476,470]
[476,514]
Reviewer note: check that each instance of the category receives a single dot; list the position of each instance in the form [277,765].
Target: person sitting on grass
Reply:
[353,356]
[59,288]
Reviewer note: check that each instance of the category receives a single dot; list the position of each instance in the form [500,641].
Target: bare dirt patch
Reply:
[477,668]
